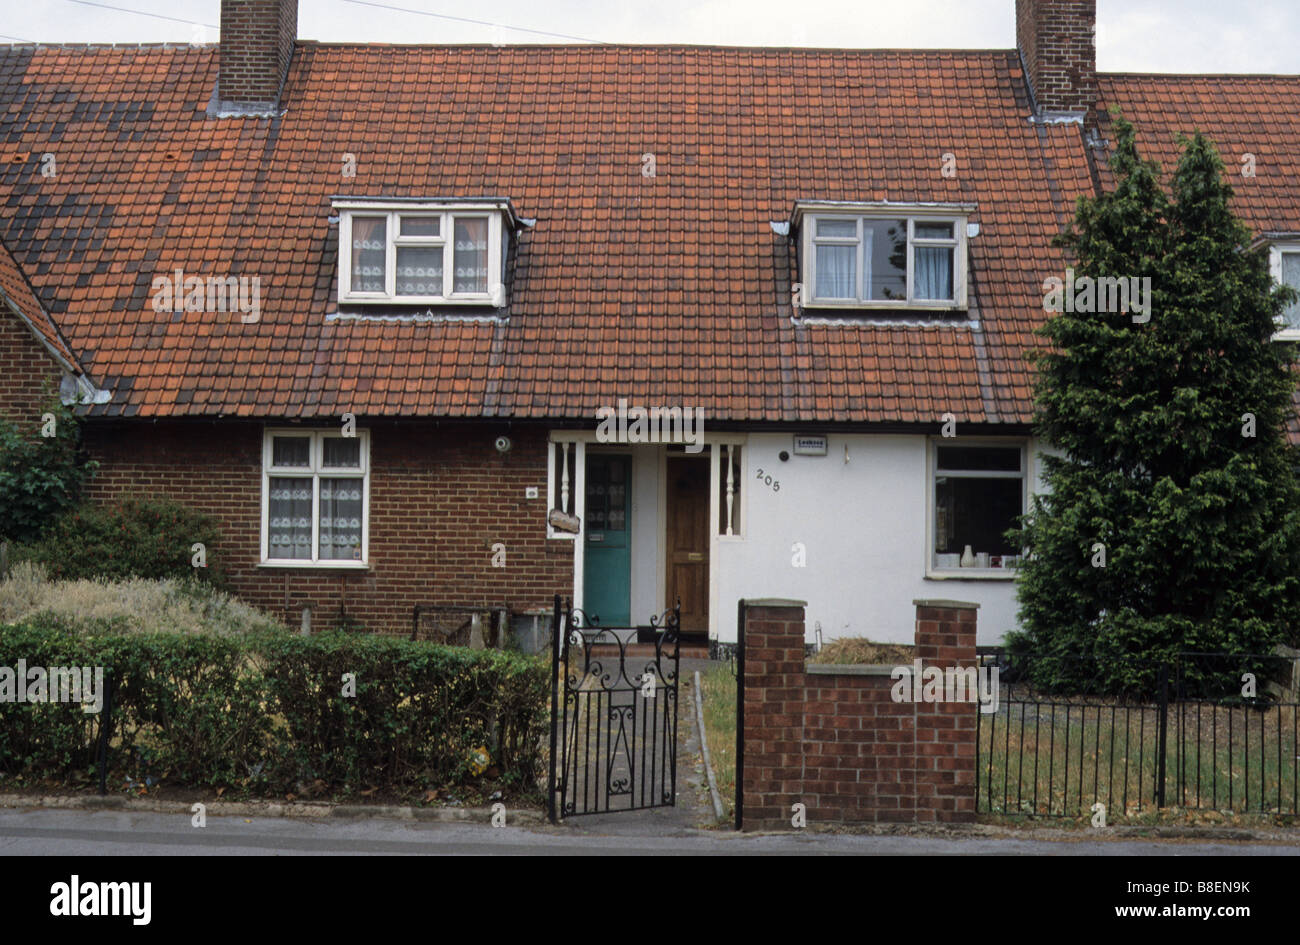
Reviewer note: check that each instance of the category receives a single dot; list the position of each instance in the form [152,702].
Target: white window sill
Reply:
[483,300]
[972,574]
[312,565]
[886,305]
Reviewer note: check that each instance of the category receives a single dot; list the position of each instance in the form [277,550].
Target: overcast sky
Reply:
[1132,35]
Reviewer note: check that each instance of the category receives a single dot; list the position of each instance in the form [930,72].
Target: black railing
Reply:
[1202,732]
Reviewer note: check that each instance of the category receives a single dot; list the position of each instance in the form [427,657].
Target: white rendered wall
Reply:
[647,552]
[863,525]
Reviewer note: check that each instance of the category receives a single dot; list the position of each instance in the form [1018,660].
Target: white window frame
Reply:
[314,471]
[860,213]
[1275,251]
[1025,475]
[494,295]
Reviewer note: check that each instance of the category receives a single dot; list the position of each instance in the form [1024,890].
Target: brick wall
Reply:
[440,496]
[834,739]
[1057,40]
[25,366]
[256,45]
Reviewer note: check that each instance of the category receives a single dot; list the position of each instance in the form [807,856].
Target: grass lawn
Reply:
[719,693]
[1052,758]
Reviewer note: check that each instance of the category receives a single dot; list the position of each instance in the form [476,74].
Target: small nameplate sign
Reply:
[810,446]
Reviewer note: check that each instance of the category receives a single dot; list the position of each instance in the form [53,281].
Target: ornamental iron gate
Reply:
[613,714]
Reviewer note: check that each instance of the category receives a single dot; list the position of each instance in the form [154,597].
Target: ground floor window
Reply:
[315,497]
[978,494]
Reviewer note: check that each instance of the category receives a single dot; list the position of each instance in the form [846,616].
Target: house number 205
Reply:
[774,484]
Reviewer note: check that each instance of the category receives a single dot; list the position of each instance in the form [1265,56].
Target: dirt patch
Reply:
[859,651]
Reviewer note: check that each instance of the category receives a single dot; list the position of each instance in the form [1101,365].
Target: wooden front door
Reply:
[688,540]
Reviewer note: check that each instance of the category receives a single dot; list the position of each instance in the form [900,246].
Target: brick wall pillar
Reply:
[773,668]
[945,731]
[841,741]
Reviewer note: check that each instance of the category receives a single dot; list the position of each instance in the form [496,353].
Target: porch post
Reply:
[580,510]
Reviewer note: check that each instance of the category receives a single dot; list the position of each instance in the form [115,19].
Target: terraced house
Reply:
[234,256]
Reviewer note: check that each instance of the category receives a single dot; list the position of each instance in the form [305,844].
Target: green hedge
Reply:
[127,538]
[266,714]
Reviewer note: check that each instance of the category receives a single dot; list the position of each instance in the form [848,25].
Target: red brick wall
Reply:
[1056,38]
[25,365]
[440,496]
[771,777]
[838,743]
[256,45]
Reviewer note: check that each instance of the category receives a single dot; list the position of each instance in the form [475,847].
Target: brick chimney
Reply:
[256,45]
[1057,43]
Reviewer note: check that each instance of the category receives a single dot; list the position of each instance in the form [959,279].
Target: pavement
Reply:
[96,833]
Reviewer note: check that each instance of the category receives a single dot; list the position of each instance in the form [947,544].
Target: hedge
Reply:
[128,538]
[265,714]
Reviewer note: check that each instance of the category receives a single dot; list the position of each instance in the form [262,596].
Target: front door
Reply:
[688,540]
[607,562]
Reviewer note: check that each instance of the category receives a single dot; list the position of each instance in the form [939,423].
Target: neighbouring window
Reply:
[316,486]
[978,494]
[1285,260]
[884,261]
[421,255]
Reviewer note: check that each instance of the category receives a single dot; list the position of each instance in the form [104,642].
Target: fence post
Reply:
[555,709]
[1164,730]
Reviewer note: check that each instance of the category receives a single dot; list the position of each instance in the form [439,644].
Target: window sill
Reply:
[317,565]
[973,574]
[877,305]
[484,301]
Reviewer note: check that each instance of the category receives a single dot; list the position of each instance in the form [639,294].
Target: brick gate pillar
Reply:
[772,665]
[945,731]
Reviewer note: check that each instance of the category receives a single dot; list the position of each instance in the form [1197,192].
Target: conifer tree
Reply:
[1170,520]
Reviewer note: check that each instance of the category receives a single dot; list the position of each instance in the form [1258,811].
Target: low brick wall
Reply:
[834,739]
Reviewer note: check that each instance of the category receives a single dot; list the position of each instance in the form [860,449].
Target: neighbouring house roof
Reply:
[1243,115]
[17,295]
[672,289]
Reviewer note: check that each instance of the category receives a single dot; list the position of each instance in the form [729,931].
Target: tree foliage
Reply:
[42,470]
[1173,461]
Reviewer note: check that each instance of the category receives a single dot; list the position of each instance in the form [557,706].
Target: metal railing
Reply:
[1202,732]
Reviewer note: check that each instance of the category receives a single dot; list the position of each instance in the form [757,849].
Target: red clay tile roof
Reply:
[1242,115]
[1256,115]
[664,290]
[17,294]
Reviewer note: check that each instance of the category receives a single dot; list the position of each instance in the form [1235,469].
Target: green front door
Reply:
[607,561]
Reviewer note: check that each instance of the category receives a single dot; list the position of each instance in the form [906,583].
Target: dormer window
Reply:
[1284,259]
[889,256]
[422,253]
